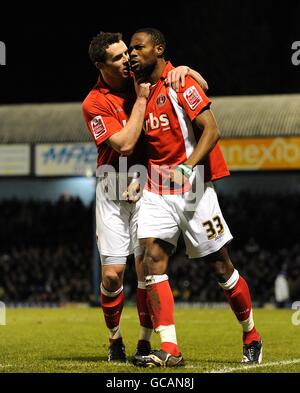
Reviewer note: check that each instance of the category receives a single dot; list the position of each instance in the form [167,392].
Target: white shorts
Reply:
[116,226]
[164,216]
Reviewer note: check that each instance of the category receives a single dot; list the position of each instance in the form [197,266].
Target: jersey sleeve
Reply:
[100,121]
[192,98]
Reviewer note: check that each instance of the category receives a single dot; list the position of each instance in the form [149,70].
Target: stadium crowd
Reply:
[46,251]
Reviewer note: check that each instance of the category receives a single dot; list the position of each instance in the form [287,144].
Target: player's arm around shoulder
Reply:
[125,140]
[176,78]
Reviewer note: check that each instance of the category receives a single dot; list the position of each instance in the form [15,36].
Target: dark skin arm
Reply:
[208,139]
[206,143]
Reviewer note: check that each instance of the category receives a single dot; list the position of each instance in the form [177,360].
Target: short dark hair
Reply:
[99,44]
[157,36]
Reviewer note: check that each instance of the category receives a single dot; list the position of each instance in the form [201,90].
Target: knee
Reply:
[152,261]
[155,259]
[152,255]
[153,252]
[111,281]
[222,270]
[221,266]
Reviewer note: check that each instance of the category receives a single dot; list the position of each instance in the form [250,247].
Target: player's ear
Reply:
[160,49]
[99,65]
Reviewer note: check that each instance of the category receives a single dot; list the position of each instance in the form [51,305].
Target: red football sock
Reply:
[112,309]
[161,302]
[142,308]
[253,335]
[161,306]
[239,299]
[171,348]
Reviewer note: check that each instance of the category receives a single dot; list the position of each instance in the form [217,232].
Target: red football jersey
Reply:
[106,113]
[170,134]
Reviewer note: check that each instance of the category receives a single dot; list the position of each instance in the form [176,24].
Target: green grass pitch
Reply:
[73,340]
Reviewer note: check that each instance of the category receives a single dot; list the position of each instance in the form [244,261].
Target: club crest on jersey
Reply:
[192,97]
[161,99]
[98,126]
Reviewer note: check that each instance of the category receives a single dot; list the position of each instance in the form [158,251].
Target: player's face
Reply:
[143,53]
[117,61]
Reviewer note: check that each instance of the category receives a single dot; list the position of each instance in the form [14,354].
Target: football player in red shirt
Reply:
[181,134]
[114,114]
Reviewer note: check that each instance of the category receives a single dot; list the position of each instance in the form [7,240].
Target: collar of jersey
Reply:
[101,85]
[167,68]
[105,89]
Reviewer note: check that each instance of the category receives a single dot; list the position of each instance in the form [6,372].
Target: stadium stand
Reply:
[238,117]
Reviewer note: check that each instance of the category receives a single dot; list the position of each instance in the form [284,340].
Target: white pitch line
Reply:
[5,365]
[245,367]
[220,370]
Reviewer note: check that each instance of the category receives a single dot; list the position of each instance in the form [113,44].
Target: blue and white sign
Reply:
[67,159]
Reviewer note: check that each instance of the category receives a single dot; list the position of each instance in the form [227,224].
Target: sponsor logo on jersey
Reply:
[161,99]
[98,126]
[192,97]
[153,122]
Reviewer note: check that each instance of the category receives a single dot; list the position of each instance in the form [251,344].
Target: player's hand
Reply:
[178,74]
[142,89]
[133,192]
[177,177]
[181,174]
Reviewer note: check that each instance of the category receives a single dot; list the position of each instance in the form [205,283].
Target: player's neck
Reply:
[158,70]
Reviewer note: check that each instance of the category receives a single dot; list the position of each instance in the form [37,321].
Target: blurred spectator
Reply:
[281,289]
